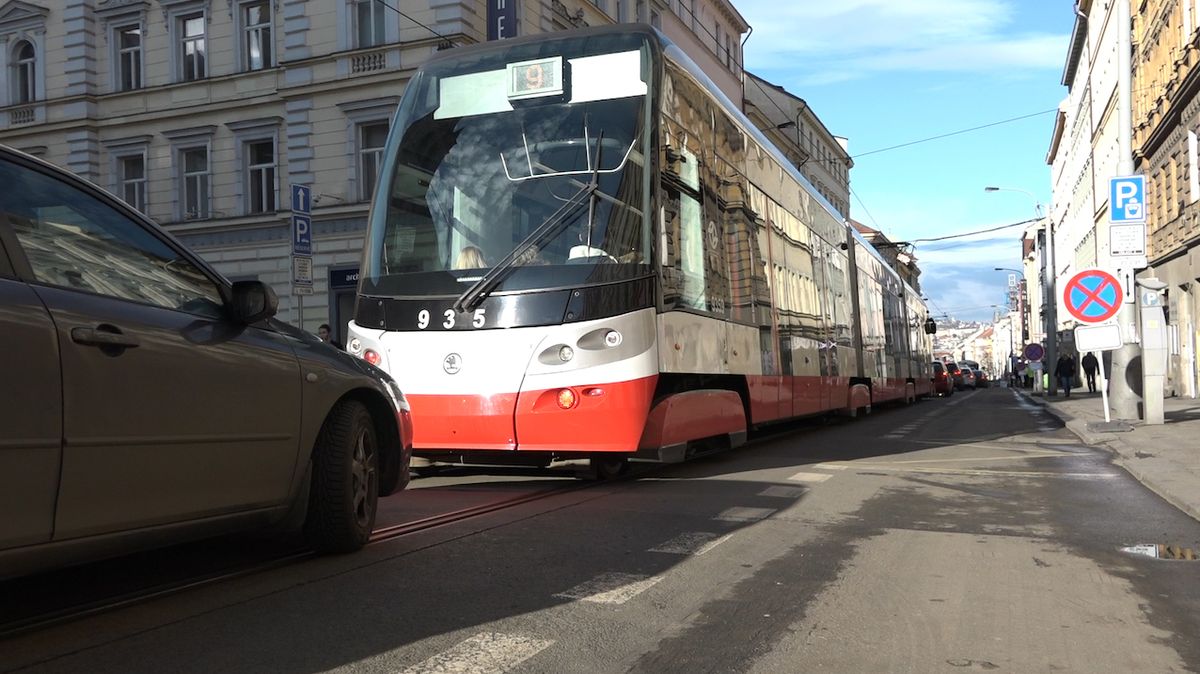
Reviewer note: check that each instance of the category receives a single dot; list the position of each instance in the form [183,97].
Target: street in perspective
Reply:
[595,336]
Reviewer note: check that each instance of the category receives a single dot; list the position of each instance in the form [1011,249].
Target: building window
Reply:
[259,158]
[369,25]
[24,68]
[131,180]
[192,48]
[129,57]
[720,37]
[1187,21]
[194,188]
[371,139]
[256,28]
[1193,168]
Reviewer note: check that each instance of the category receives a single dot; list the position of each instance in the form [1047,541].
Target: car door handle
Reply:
[102,336]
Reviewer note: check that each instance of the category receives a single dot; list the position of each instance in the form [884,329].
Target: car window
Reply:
[937,367]
[77,241]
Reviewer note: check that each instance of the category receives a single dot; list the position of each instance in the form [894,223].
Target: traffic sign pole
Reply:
[1103,388]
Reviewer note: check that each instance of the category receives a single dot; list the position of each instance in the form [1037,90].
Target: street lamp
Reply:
[1049,296]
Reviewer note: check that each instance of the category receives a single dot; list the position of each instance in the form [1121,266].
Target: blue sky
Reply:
[886,72]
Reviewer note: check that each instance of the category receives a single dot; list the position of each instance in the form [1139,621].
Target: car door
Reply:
[30,413]
[170,410]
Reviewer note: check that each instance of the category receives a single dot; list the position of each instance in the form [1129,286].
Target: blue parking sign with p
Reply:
[301,234]
[1127,199]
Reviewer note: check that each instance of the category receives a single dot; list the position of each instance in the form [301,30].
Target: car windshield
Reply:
[474,171]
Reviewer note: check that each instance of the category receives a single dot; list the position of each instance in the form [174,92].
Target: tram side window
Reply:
[693,277]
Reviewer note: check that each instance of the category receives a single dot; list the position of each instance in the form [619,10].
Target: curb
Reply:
[1120,458]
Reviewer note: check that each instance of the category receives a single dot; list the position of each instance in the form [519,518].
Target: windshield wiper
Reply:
[551,227]
[479,291]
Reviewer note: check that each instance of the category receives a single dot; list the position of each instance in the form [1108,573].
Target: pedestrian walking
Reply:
[1090,366]
[1065,371]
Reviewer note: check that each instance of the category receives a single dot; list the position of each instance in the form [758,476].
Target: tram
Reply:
[578,247]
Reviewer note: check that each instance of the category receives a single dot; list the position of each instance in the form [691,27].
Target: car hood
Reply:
[330,355]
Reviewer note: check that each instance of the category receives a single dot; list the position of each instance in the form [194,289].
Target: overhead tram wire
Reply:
[976,232]
[955,133]
[445,39]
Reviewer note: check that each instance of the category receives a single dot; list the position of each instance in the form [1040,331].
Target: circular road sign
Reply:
[1034,352]
[1092,296]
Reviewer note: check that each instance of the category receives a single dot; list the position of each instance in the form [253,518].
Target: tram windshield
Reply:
[531,157]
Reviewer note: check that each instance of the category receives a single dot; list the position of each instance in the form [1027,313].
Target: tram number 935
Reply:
[449,317]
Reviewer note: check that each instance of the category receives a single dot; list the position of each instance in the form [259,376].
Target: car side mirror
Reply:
[253,301]
[930,327]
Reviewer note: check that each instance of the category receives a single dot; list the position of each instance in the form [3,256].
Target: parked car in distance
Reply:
[967,377]
[943,383]
[981,379]
[148,401]
[956,375]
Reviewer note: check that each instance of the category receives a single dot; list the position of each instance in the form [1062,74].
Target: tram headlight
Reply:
[566,353]
[612,338]
[355,346]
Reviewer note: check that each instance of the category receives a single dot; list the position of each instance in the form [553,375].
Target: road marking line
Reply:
[893,436]
[743,514]
[483,653]
[783,492]
[830,466]
[1014,457]
[810,477]
[1001,473]
[694,543]
[1007,446]
[611,588]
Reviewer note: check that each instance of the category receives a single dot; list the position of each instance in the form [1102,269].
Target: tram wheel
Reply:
[607,467]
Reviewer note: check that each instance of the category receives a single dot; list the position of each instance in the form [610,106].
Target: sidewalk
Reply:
[1165,458]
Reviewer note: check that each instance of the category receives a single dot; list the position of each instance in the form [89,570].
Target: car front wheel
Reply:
[345,489]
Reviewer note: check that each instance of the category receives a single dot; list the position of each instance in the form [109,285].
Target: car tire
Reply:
[345,483]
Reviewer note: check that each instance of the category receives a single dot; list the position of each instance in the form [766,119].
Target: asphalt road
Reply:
[966,534]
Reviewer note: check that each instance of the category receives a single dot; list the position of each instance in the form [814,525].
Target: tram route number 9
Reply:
[448,319]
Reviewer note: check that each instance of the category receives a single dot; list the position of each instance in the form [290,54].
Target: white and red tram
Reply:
[579,248]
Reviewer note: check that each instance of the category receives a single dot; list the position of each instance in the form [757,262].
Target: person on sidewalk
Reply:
[1090,366]
[1065,371]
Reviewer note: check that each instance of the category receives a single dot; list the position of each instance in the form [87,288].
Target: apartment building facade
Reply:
[1166,137]
[203,113]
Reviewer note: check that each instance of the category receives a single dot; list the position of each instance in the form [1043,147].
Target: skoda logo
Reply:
[452,364]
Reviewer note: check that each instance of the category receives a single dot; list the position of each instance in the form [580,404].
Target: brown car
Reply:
[147,400]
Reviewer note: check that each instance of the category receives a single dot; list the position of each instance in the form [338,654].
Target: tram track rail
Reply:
[36,621]
[40,620]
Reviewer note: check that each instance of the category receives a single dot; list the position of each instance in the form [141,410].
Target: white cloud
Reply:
[834,41]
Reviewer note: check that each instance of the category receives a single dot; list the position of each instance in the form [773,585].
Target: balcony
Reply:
[26,114]
[369,62]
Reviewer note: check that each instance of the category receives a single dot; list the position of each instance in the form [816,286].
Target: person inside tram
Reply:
[470,257]
[531,257]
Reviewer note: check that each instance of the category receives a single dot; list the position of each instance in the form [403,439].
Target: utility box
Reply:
[1155,342]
